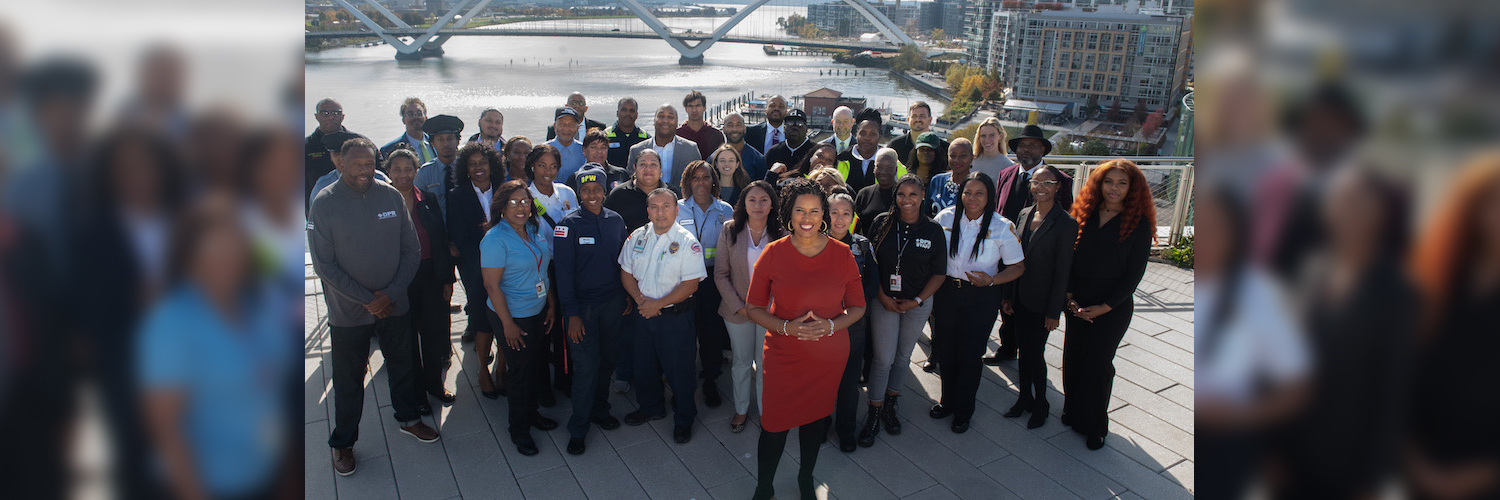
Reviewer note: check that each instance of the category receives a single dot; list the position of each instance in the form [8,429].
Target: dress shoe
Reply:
[542,423]
[1037,419]
[421,431]
[939,411]
[575,446]
[455,308]
[468,335]
[929,366]
[1094,442]
[871,428]
[637,418]
[711,396]
[343,461]
[960,425]
[682,433]
[608,423]
[848,444]
[424,410]
[495,394]
[447,398]
[1017,409]
[1065,419]
[737,428]
[525,445]
[889,417]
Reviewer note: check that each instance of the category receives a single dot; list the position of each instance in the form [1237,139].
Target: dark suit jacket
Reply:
[785,154]
[1043,288]
[466,228]
[437,237]
[755,136]
[683,152]
[588,124]
[385,151]
[1010,205]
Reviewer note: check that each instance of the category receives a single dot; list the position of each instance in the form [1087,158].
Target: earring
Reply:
[789,227]
[825,227]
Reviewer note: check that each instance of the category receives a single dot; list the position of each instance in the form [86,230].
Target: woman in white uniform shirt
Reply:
[983,253]
[556,198]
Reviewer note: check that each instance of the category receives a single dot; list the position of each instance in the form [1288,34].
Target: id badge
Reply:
[541,289]
[895,282]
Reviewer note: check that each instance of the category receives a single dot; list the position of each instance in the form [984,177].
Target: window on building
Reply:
[1093,41]
[1088,62]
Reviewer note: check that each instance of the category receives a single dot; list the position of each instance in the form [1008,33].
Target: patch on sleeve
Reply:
[696,248]
[560,232]
[310,226]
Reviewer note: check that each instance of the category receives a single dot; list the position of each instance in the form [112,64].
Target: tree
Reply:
[412,18]
[1092,108]
[1113,115]
[1095,147]
[1066,148]
[909,57]
[1138,114]
[939,34]
[967,132]
[1152,122]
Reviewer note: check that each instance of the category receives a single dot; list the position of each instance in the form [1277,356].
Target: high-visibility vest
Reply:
[843,169]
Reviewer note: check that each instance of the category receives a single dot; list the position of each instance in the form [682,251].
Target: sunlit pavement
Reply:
[1149,453]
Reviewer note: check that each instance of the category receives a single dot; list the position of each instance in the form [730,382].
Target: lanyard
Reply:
[534,253]
[901,241]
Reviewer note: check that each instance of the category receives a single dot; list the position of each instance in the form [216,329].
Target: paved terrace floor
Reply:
[1149,452]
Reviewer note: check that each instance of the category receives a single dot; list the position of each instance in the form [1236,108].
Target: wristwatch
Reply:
[918,299]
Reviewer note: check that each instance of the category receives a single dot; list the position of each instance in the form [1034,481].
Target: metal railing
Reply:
[1171,180]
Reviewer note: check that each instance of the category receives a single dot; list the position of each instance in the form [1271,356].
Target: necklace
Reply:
[753,238]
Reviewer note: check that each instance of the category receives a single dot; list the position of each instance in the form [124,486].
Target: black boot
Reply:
[892,422]
[871,428]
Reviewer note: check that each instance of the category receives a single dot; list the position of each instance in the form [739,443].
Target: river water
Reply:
[528,77]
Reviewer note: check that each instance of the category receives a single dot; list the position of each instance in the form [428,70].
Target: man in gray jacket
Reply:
[365,250]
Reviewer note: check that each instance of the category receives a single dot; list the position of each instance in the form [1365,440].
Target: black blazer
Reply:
[1043,288]
[755,137]
[465,226]
[437,237]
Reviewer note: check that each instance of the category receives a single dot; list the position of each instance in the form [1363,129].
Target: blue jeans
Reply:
[665,344]
[593,360]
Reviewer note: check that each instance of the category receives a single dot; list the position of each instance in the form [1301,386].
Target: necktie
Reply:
[1024,186]
[422,148]
[775,136]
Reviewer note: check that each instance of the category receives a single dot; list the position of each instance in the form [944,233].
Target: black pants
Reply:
[768,453]
[964,314]
[521,369]
[1008,340]
[556,355]
[1031,332]
[846,409]
[1089,368]
[478,301]
[709,328]
[429,322]
[351,356]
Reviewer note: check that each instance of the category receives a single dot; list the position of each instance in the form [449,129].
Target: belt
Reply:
[959,284]
[685,306]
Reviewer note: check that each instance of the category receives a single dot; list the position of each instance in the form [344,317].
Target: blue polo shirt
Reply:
[704,224]
[587,247]
[525,262]
[572,158]
[228,371]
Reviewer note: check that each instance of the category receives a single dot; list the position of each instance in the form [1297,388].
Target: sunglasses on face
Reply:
[330,112]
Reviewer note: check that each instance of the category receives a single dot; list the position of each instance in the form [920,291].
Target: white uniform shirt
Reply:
[1002,244]
[659,262]
[562,202]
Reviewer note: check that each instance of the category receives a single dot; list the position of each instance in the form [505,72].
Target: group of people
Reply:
[607,251]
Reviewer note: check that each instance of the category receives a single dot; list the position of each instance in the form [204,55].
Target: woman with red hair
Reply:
[1456,265]
[1117,223]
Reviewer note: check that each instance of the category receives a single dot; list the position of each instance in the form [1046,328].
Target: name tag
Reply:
[686,222]
[640,245]
[586,240]
[895,282]
[614,145]
[921,243]
[388,214]
[541,289]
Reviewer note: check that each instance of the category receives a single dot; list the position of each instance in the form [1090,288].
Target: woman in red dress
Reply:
[806,292]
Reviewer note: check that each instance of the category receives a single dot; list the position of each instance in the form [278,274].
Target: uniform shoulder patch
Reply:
[696,248]
[310,226]
[560,232]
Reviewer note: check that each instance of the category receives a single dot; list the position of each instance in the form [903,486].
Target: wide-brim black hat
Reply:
[335,141]
[443,124]
[1031,132]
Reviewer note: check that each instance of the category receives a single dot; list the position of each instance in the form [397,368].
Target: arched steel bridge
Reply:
[427,42]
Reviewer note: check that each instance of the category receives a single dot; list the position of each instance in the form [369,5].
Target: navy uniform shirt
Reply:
[585,248]
[620,143]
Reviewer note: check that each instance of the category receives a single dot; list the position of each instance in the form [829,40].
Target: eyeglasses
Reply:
[1035,183]
[522,201]
[330,112]
[414,114]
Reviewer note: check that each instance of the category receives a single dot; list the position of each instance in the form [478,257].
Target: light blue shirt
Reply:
[572,158]
[704,224]
[430,179]
[525,262]
[231,376]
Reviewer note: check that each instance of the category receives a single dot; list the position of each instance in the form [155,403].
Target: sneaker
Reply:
[343,461]
[421,431]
